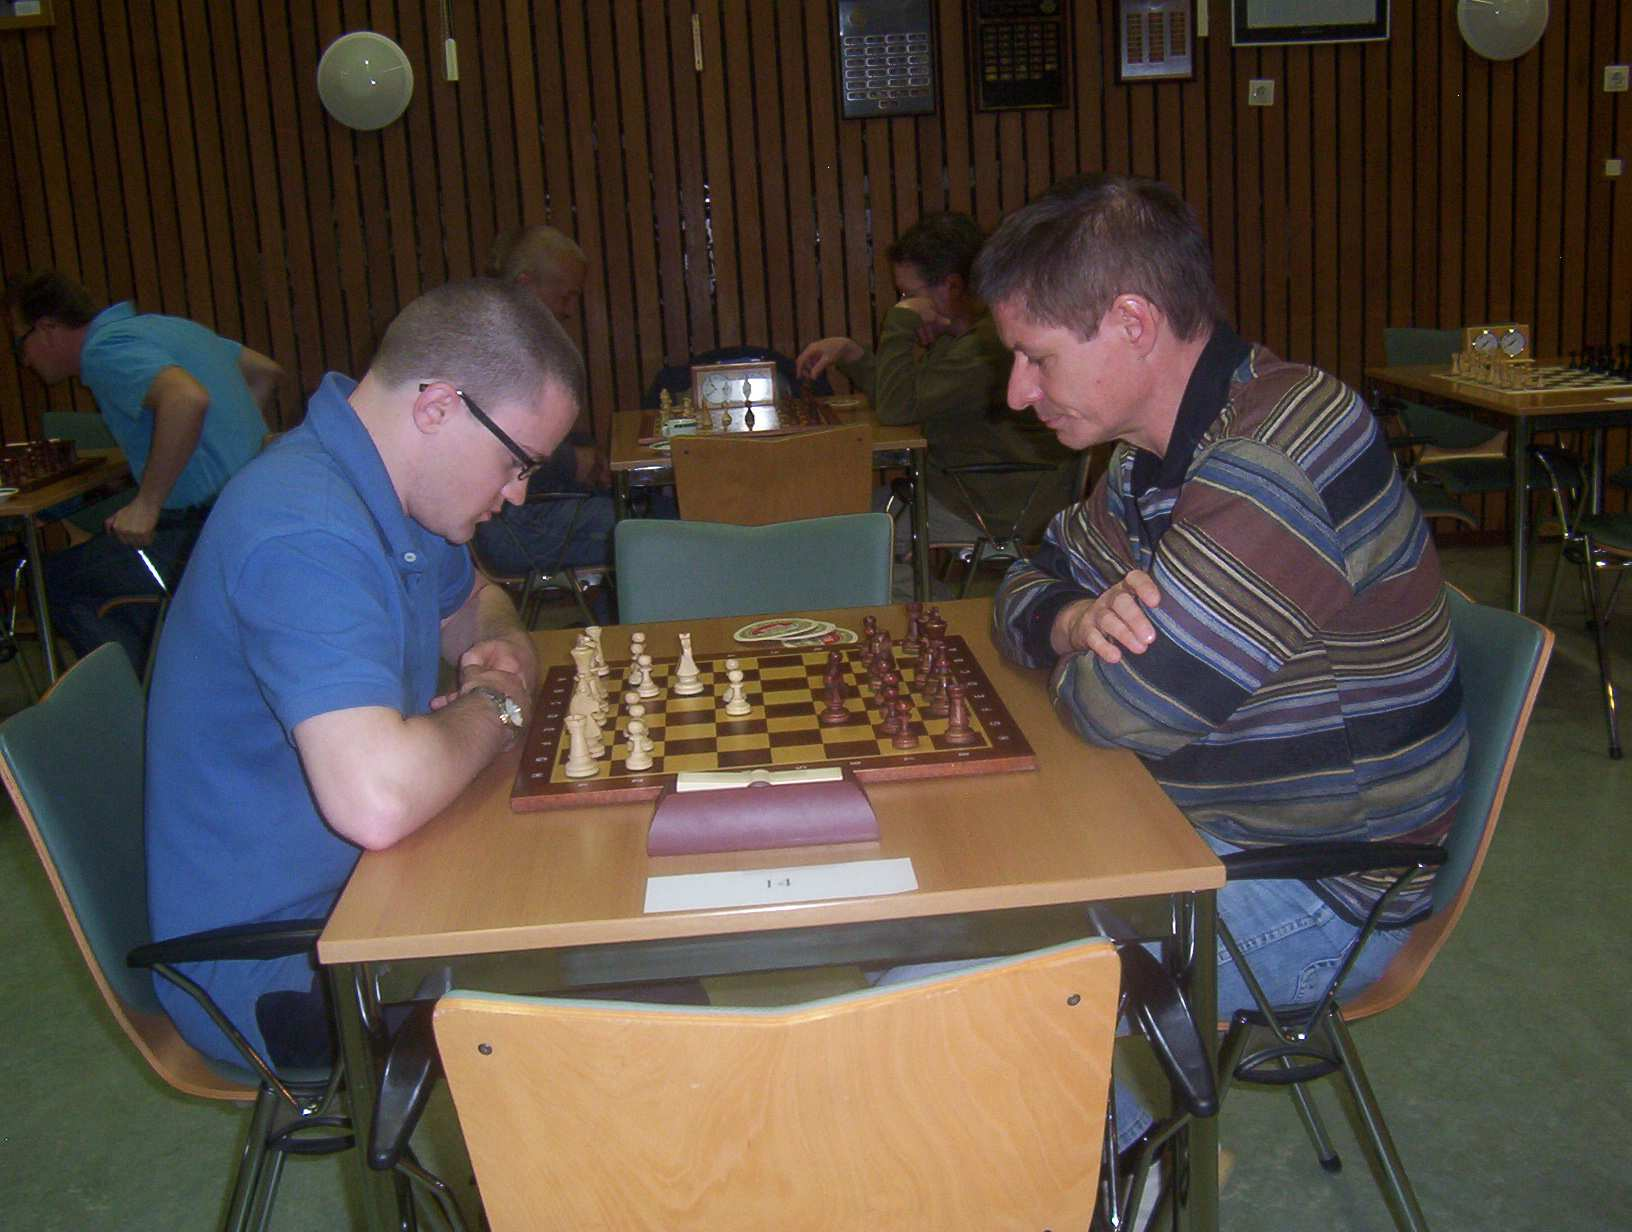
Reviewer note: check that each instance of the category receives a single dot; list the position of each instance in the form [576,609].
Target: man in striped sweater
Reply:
[1250,600]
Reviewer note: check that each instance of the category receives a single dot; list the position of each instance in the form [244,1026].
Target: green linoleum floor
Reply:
[1504,1078]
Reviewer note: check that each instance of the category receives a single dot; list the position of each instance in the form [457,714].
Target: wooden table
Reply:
[109,467]
[528,902]
[1522,413]
[631,462]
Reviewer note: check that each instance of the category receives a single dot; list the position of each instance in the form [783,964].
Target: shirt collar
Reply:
[332,420]
[121,311]
[1206,394]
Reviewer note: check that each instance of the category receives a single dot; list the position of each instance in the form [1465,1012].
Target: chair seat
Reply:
[1610,532]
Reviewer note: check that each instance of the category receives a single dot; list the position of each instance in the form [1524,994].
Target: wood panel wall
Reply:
[176,152]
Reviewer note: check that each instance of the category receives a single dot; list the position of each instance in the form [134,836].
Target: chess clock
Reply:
[728,385]
[1506,341]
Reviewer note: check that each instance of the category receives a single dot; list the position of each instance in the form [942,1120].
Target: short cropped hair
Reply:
[37,294]
[938,246]
[492,339]
[538,250]
[1064,258]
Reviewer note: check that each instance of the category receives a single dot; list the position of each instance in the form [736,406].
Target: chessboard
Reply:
[1556,382]
[787,690]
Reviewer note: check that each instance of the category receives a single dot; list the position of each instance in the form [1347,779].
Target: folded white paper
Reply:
[761,886]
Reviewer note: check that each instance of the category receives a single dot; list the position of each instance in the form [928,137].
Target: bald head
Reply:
[547,263]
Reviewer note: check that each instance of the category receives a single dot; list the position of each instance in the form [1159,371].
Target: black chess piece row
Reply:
[1615,361]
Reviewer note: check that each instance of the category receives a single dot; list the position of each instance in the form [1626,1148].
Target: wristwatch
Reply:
[509,713]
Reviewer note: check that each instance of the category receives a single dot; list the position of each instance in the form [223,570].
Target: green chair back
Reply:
[86,429]
[669,570]
[1502,657]
[74,762]
[1409,345]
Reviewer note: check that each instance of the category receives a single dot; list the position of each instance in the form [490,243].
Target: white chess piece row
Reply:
[589,710]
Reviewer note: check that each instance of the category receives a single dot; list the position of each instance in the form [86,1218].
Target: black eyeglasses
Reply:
[525,462]
[17,340]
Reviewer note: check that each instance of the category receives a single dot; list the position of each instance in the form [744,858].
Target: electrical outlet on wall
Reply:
[1616,78]
[1261,92]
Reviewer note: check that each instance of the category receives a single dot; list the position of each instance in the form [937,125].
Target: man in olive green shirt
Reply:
[940,363]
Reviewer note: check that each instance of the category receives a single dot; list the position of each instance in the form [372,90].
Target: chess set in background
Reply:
[1497,359]
[614,732]
[25,465]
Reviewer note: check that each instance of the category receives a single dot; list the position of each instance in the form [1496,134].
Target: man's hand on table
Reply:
[1111,623]
[822,354]
[134,524]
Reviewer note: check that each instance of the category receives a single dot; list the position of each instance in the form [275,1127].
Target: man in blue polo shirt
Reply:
[184,404]
[294,718]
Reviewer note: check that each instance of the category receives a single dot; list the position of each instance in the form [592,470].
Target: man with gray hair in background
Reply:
[295,718]
[569,518]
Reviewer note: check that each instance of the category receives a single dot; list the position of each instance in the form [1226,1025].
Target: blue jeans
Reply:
[1294,942]
[546,534]
[80,579]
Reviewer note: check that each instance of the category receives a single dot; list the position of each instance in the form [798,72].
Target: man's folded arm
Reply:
[378,776]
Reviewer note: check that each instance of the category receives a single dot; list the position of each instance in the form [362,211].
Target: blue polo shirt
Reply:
[123,353]
[310,591]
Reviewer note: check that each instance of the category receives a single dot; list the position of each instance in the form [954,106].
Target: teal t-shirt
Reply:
[125,350]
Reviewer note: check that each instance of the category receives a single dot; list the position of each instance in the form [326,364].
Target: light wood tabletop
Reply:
[1088,824]
[1523,413]
[107,468]
[626,453]
[1558,404]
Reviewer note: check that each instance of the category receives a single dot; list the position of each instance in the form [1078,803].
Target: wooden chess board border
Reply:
[1006,751]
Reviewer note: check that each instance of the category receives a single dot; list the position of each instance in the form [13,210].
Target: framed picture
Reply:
[1257,22]
[1153,40]
[20,14]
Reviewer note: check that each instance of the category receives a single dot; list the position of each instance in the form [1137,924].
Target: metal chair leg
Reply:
[1330,1160]
[1407,1213]
[1599,617]
[251,1167]
[974,567]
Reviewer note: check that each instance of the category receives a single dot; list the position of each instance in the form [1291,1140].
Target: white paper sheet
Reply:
[761,886]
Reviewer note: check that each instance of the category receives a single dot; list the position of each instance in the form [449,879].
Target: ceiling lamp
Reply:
[1501,29]
[365,80]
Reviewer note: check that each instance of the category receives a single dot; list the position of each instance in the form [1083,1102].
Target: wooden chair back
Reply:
[975,1099]
[1502,658]
[748,480]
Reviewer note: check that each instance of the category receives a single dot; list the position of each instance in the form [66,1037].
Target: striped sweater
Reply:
[1303,682]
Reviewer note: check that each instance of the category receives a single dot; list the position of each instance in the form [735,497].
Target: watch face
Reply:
[1485,343]
[1514,342]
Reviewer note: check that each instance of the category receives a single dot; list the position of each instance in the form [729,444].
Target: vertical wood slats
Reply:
[177,154]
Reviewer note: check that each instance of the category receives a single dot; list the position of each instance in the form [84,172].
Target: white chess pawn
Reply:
[639,756]
[637,646]
[648,686]
[736,701]
[688,681]
[637,712]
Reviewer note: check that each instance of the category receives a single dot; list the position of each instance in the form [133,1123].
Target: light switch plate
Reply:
[1261,92]
[1616,78]
[1612,168]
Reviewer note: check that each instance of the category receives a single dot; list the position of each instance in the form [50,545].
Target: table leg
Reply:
[354,1013]
[920,524]
[620,495]
[42,610]
[1196,1149]
[1520,436]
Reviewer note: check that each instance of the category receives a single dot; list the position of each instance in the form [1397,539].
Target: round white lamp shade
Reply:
[365,80]
[1501,29]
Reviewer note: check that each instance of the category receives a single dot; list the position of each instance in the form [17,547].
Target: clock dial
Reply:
[1514,343]
[1485,343]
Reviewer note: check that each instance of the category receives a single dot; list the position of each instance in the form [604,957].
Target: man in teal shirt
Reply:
[185,406]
